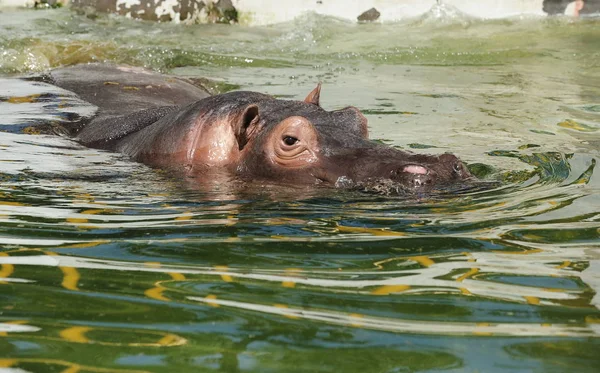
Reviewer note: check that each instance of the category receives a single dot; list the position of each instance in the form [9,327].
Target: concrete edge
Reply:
[264,12]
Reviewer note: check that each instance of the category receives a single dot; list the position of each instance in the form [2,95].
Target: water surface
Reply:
[110,266]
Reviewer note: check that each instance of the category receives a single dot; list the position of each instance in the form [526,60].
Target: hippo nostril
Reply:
[413,175]
[414,169]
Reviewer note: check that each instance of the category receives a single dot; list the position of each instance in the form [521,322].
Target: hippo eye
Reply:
[290,141]
[457,168]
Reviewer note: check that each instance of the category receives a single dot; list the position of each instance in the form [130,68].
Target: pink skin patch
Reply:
[414,169]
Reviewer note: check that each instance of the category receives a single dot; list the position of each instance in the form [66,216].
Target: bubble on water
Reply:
[375,186]
[344,182]
[382,186]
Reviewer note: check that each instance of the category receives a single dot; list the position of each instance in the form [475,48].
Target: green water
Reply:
[109,266]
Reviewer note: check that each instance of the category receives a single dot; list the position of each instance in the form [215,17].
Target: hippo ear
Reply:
[314,95]
[246,125]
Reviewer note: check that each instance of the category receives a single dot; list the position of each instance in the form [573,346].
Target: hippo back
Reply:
[128,98]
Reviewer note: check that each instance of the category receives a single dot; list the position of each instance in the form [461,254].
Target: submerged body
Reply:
[170,123]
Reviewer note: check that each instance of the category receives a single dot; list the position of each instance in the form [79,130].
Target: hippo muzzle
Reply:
[371,163]
[444,169]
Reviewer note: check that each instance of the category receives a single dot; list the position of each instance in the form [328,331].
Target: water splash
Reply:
[444,14]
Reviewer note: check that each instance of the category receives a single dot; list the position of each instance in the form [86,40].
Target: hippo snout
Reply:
[447,169]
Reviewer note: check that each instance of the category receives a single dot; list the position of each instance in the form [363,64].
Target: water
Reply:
[110,266]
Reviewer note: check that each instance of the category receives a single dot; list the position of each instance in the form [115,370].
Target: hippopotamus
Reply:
[172,123]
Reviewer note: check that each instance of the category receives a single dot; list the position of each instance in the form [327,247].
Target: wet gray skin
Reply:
[252,135]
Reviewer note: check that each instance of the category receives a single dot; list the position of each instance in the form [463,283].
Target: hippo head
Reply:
[256,136]
[300,142]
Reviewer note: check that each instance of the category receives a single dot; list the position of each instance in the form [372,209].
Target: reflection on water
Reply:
[110,266]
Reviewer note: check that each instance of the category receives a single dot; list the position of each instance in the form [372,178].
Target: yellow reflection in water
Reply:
[225,277]
[170,340]
[185,216]
[522,252]
[75,334]
[471,272]
[592,319]
[284,307]
[71,278]
[358,317]
[157,291]
[564,264]
[389,289]
[10,203]
[71,275]
[5,269]
[290,272]
[482,325]
[23,99]
[211,300]
[371,231]
[85,245]
[80,334]
[176,276]
[577,126]
[5,363]
[532,300]
[423,260]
